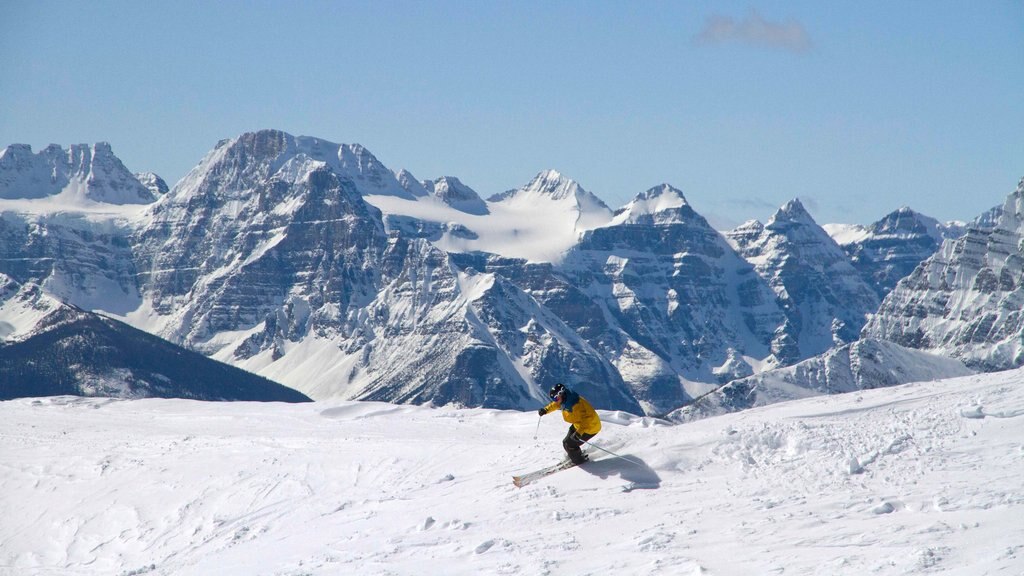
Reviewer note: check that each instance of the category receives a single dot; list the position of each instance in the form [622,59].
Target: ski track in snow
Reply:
[918,479]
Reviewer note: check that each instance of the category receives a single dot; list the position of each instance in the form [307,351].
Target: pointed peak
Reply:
[451,188]
[450,181]
[792,211]
[550,175]
[453,192]
[750,226]
[553,183]
[153,182]
[663,191]
[415,187]
[662,204]
[794,206]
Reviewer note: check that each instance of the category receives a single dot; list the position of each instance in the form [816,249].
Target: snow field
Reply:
[918,479]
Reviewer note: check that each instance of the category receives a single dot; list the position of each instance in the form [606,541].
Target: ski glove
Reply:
[541,412]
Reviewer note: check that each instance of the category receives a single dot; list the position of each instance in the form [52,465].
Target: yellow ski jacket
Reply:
[578,412]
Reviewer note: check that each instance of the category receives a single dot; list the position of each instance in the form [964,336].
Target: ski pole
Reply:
[626,458]
[538,428]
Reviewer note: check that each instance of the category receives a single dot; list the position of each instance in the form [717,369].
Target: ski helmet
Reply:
[557,391]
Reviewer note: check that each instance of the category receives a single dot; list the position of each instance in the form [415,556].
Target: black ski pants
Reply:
[572,442]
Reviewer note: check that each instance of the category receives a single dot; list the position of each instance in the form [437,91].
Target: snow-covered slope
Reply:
[48,348]
[538,222]
[861,365]
[22,308]
[917,479]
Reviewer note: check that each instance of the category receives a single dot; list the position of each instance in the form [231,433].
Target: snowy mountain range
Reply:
[314,265]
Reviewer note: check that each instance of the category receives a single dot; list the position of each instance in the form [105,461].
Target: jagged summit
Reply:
[453,192]
[412,185]
[153,182]
[552,185]
[312,263]
[82,173]
[792,211]
[241,163]
[662,204]
[825,298]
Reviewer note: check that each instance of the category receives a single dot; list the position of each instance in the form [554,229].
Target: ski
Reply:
[525,479]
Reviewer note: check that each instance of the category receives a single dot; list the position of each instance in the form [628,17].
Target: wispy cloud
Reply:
[754,30]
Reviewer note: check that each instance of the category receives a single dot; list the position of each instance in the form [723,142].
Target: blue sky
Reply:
[857,108]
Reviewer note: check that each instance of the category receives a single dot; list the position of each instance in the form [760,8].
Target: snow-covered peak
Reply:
[551,191]
[241,163]
[661,204]
[745,235]
[80,176]
[410,184]
[153,183]
[552,183]
[453,192]
[904,222]
[451,188]
[792,211]
[752,226]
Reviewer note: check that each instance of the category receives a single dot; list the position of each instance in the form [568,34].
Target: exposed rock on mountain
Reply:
[681,305]
[825,300]
[457,195]
[252,230]
[967,300]
[888,250]
[76,258]
[153,183]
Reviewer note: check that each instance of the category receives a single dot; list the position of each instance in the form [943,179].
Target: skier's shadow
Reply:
[632,469]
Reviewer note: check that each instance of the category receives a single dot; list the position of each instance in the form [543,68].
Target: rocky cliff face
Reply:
[258,233]
[825,300]
[682,307]
[966,300]
[888,250]
[72,256]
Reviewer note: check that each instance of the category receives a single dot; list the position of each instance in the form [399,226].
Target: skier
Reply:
[584,423]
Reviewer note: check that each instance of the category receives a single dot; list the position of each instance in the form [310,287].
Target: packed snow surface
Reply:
[919,479]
